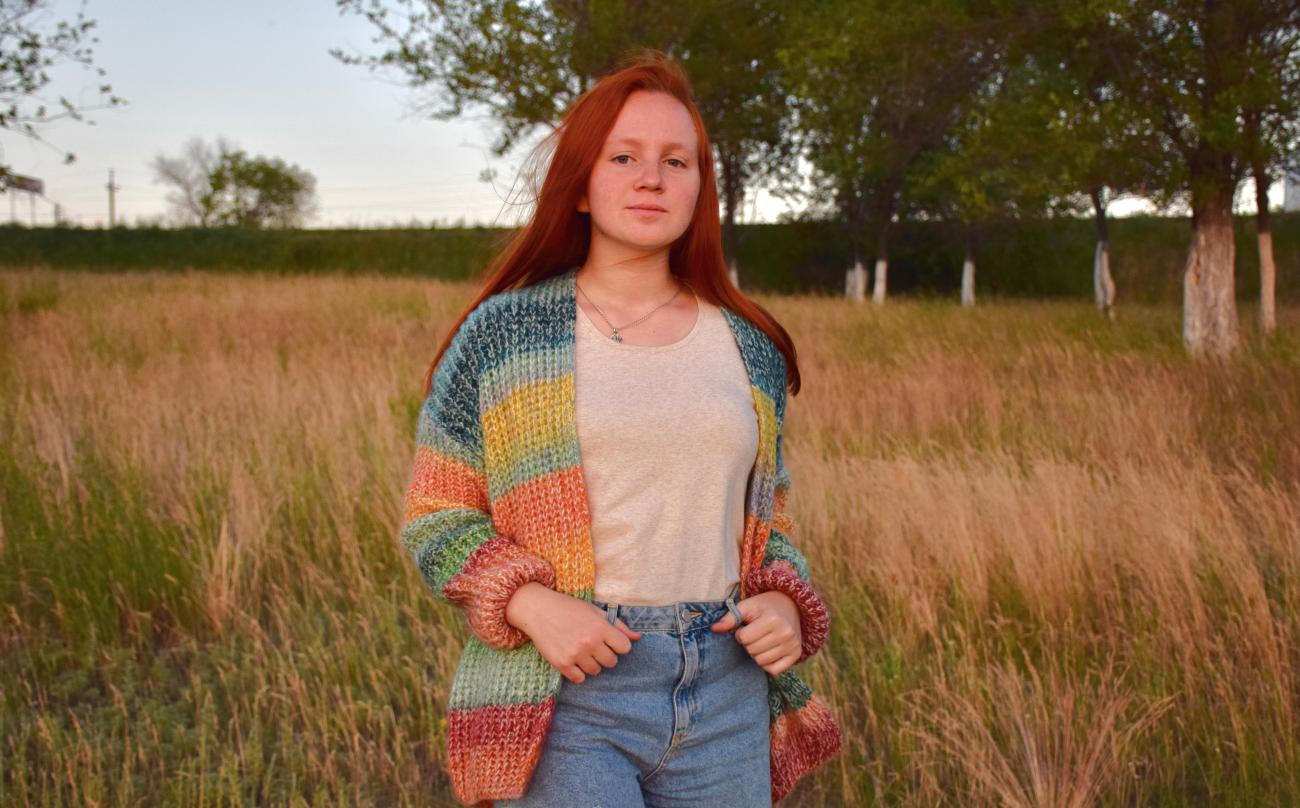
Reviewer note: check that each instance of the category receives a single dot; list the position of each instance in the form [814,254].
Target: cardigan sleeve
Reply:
[785,569]
[447,525]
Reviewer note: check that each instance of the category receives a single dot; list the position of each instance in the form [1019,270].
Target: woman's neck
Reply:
[629,284]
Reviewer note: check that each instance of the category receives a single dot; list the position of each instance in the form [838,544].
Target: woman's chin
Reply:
[641,242]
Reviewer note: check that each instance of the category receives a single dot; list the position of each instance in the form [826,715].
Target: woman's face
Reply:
[648,162]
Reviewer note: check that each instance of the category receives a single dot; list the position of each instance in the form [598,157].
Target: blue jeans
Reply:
[680,720]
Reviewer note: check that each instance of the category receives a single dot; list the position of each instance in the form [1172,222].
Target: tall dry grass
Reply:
[1063,559]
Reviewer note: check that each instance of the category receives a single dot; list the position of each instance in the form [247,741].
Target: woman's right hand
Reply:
[573,635]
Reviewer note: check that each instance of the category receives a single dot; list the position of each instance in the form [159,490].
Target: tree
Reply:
[1184,67]
[879,84]
[1272,130]
[261,192]
[190,175]
[739,88]
[29,48]
[986,170]
[524,63]
[224,186]
[1073,128]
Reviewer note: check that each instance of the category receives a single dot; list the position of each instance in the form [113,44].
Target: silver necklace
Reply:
[615,335]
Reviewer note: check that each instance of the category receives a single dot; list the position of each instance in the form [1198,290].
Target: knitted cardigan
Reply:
[496,499]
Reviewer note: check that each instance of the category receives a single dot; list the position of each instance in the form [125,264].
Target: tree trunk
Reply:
[732,187]
[968,272]
[878,290]
[882,256]
[1209,304]
[855,283]
[1267,267]
[1103,284]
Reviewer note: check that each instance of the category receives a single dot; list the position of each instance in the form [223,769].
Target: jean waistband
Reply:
[682,616]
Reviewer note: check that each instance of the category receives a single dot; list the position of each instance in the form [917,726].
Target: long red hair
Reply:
[558,236]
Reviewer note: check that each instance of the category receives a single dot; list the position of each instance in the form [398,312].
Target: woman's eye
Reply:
[621,156]
[678,162]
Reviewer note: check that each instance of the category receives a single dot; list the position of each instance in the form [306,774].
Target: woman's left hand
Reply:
[772,634]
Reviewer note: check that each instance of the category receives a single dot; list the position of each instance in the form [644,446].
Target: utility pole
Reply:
[112,191]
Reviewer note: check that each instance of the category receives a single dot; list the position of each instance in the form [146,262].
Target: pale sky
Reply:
[260,74]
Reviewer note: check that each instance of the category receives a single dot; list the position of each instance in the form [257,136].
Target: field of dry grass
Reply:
[1063,560]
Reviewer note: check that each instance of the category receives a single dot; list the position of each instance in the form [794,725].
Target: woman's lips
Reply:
[647,211]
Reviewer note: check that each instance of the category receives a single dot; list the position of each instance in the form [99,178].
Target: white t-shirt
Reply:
[667,437]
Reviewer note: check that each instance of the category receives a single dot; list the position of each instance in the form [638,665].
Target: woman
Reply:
[634,607]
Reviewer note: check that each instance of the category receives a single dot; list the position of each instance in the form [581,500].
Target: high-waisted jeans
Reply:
[680,720]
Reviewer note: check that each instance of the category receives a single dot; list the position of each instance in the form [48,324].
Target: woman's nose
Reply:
[650,177]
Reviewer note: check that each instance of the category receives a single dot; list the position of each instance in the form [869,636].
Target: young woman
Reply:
[599,484]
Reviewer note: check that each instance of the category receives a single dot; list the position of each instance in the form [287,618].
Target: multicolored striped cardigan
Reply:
[496,499]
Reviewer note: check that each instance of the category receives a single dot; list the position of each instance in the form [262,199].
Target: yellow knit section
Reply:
[767,428]
[521,432]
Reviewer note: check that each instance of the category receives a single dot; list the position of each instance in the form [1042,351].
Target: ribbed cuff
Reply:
[814,617]
[484,586]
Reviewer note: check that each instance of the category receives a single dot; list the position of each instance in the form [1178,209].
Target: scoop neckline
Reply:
[623,346]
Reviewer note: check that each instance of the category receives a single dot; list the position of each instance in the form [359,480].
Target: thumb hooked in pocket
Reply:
[726,623]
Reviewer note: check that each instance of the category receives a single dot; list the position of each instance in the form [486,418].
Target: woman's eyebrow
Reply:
[631,141]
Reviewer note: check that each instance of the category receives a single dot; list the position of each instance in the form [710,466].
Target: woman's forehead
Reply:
[653,119]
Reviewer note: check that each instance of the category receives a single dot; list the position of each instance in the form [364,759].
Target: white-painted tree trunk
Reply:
[1267,284]
[733,274]
[855,283]
[968,282]
[878,291]
[1103,283]
[1264,233]
[1209,306]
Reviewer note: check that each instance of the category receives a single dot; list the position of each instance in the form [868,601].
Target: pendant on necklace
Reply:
[615,337]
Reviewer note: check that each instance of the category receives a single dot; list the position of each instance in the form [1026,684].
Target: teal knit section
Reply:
[779,548]
[531,365]
[786,692]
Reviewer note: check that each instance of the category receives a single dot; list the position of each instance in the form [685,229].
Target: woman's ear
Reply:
[583,207]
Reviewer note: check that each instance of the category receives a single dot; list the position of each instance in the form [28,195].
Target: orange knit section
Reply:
[548,516]
[494,749]
[753,545]
[781,522]
[439,482]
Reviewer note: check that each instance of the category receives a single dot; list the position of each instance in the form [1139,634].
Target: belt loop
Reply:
[731,607]
[611,612]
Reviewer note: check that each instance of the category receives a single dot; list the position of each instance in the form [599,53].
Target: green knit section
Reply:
[488,676]
[443,541]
